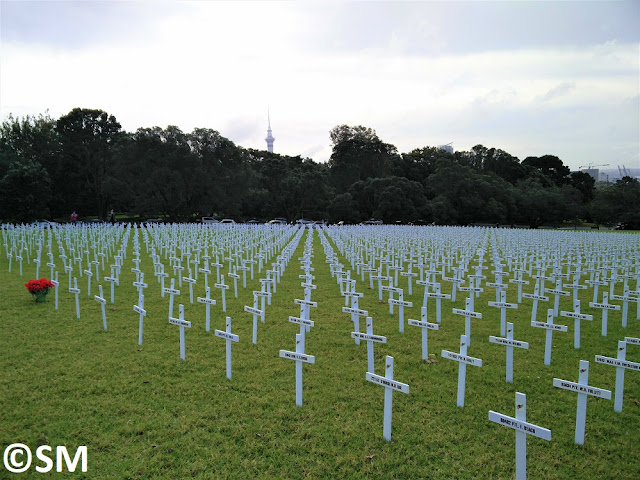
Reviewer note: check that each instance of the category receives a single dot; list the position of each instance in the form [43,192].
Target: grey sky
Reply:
[529,77]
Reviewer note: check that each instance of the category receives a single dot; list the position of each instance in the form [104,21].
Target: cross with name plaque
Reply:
[582,388]
[522,428]
[299,356]
[100,299]
[605,306]
[370,338]
[509,342]
[389,385]
[550,327]
[577,316]
[182,323]
[462,360]
[621,365]
[425,326]
[229,337]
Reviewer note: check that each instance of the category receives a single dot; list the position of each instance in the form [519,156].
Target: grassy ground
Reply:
[145,414]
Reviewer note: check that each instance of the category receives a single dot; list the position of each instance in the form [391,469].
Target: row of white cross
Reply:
[347,287]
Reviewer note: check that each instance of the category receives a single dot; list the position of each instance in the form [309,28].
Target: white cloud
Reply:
[221,65]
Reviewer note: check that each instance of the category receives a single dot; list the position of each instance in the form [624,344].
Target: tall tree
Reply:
[551,166]
[618,203]
[87,140]
[358,154]
[25,192]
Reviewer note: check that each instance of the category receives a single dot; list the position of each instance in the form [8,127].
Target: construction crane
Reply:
[591,165]
[623,171]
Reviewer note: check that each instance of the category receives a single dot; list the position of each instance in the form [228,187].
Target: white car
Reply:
[227,220]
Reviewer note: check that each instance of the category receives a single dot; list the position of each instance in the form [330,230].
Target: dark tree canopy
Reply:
[85,162]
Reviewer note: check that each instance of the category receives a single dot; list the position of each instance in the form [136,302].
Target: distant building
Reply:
[270,139]
[594,172]
[447,148]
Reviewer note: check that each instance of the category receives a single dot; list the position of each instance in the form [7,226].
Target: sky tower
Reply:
[269,138]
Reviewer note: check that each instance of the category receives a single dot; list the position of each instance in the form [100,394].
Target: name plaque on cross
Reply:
[522,428]
[389,385]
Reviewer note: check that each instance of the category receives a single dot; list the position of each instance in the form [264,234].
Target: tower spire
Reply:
[270,137]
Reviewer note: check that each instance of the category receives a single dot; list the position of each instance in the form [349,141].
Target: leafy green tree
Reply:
[419,163]
[358,154]
[163,172]
[471,196]
[618,203]
[226,174]
[87,140]
[551,166]
[496,161]
[389,199]
[25,192]
[27,138]
[344,208]
[584,183]
[538,205]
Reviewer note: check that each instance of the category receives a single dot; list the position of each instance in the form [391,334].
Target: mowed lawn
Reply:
[144,413]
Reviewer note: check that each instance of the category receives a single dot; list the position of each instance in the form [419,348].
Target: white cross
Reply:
[509,342]
[468,313]
[389,385]
[583,389]
[621,364]
[299,356]
[522,428]
[503,305]
[76,291]
[99,298]
[550,327]
[425,326]
[370,338]
[605,306]
[208,301]
[181,322]
[229,337]
[576,325]
[462,360]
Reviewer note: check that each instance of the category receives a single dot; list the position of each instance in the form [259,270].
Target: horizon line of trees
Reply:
[85,162]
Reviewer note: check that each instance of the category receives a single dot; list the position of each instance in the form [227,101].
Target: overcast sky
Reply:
[531,78]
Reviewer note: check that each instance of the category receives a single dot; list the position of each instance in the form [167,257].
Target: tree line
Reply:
[85,162]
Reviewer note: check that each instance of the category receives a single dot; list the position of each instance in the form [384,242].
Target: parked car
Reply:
[209,220]
[227,220]
[278,221]
[303,221]
[45,223]
[253,221]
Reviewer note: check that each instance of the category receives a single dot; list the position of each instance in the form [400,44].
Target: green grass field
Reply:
[145,414]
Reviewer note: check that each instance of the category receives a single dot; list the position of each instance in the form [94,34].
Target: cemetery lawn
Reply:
[145,414]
